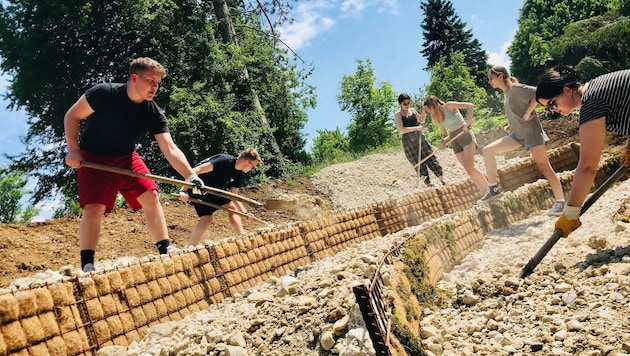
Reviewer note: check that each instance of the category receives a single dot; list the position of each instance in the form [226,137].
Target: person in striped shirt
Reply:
[604,104]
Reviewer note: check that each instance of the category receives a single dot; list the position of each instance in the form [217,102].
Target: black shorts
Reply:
[203,210]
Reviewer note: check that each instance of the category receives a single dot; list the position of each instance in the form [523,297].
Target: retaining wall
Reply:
[80,315]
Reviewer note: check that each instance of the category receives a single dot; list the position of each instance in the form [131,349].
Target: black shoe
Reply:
[427,181]
[492,193]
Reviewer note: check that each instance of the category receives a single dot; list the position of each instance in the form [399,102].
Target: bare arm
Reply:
[530,110]
[204,168]
[402,129]
[592,136]
[469,107]
[238,204]
[71,120]
[173,154]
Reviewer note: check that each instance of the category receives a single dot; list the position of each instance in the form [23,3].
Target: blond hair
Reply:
[433,104]
[146,64]
[251,154]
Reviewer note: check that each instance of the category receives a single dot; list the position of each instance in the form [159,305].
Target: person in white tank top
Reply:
[451,124]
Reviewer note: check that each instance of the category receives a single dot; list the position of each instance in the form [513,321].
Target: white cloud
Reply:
[316,17]
[308,24]
[352,7]
[501,58]
[388,6]
[46,209]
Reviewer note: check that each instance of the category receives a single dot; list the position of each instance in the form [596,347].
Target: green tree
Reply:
[444,32]
[329,146]
[55,50]
[11,193]
[371,108]
[595,46]
[454,83]
[539,22]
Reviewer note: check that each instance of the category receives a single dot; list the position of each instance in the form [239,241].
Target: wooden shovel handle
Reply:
[199,201]
[181,183]
[426,158]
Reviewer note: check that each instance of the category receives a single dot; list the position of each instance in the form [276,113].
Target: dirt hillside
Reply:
[28,249]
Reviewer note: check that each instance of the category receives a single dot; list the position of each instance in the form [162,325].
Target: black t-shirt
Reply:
[117,123]
[224,174]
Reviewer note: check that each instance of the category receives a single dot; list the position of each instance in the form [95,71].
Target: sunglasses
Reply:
[551,104]
[406,103]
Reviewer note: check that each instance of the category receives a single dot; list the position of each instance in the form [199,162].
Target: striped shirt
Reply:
[608,96]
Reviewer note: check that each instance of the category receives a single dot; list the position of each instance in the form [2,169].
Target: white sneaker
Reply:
[556,209]
[171,249]
[89,267]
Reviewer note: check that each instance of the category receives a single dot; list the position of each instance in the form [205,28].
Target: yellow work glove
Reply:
[569,221]
[625,156]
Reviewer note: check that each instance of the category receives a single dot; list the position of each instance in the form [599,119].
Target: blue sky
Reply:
[333,34]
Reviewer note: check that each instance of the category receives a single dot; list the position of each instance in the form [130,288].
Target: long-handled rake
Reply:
[529,267]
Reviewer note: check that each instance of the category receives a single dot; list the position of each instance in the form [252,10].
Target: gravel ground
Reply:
[575,303]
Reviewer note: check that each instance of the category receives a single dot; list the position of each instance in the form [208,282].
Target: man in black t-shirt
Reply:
[225,172]
[117,115]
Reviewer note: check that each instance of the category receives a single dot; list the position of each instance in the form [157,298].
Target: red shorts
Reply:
[100,187]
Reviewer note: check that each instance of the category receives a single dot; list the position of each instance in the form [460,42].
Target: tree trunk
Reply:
[228,33]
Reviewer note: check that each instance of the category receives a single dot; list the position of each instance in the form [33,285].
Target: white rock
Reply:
[327,340]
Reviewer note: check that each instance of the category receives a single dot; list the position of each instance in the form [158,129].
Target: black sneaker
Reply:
[427,181]
[492,193]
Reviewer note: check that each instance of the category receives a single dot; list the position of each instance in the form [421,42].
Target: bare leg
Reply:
[467,160]
[153,215]
[235,219]
[90,227]
[502,145]
[199,229]
[539,154]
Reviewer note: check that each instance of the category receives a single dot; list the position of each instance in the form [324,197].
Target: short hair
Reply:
[402,97]
[251,154]
[146,64]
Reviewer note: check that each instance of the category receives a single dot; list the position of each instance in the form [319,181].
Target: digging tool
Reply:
[426,158]
[199,201]
[529,267]
[273,204]
[419,152]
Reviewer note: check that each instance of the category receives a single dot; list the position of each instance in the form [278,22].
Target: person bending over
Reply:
[221,171]
[452,123]
[604,104]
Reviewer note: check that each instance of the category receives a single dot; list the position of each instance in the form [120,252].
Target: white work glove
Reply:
[197,183]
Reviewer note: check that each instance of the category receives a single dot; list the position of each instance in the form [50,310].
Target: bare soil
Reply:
[27,249]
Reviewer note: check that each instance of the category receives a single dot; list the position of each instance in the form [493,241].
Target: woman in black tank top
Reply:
[415,144]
